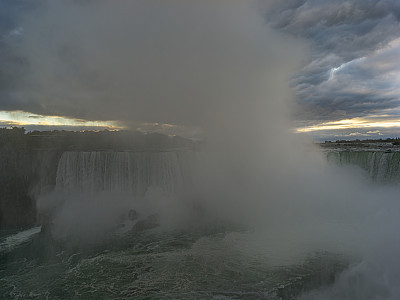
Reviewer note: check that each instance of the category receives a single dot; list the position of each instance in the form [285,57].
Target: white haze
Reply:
[217,65]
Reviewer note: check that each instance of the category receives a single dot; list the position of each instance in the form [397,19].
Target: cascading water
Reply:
[381,166]
[132,172]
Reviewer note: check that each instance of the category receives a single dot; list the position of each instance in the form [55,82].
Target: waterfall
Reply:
[128,171]
[381,166]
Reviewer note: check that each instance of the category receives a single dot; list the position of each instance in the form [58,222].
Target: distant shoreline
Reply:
[387,145]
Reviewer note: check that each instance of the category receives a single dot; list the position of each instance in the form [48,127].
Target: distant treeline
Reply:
[26,156]
[105,140]
[394,141]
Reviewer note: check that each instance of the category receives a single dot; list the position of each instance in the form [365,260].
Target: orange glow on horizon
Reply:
[22,118]
[350,124]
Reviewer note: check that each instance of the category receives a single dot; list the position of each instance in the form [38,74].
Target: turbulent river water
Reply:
[205,263]
[206,260]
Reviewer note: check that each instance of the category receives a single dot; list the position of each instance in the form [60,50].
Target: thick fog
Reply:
[215,65]
[169,62]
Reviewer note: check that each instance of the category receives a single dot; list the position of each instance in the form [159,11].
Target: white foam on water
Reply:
[19,238]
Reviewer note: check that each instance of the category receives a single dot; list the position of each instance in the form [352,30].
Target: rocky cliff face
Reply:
[17,209]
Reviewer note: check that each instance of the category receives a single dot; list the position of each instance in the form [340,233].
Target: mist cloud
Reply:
[219,66]
[170,62]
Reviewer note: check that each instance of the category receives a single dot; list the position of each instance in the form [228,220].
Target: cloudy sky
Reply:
[165,65]
[350,85]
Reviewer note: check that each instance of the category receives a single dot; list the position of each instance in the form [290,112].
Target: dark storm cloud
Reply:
[12,66]
[354,60]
